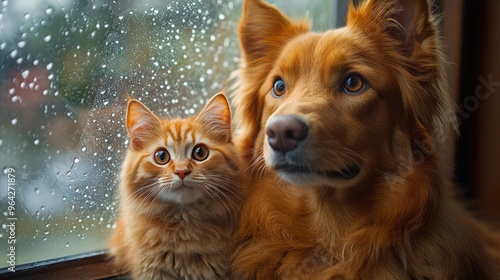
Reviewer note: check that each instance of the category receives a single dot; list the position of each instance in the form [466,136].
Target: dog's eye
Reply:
[353,84]
[279,87]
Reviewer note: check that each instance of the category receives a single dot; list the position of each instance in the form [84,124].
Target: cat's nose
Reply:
[285,132]
[182,172]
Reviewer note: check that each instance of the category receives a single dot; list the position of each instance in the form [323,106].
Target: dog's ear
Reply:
[409,22]
[408,36]
[412,22]
[263,31]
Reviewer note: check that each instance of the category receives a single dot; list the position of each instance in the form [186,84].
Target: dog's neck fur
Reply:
[341,210]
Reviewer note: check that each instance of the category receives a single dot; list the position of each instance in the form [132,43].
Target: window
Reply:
[66,67]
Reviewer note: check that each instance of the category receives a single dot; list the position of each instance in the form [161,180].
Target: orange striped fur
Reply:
[180,195]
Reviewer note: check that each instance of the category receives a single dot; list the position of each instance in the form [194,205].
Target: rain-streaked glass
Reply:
[66,67]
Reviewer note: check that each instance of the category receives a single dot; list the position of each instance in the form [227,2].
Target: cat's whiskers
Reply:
[226,183]
[216,197]
[161,189]
[260,163]
[261,167]
[152,194]
[215,192]
[128,197]
[151,190]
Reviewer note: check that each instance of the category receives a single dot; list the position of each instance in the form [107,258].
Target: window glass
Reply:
[66,67]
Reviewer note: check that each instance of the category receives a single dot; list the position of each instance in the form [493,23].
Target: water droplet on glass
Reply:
[13,53]
[84,149]
[50,65]
[21,44]
[36,142]
[49,11]
[37,190]
[13,121]
[106,102]
[47,38]
[221,17]
[27,16]
[67,244]
[25,74]
[43,209]
[3,45]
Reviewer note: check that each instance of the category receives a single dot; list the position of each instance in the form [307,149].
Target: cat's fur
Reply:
[344,130]
[168,231]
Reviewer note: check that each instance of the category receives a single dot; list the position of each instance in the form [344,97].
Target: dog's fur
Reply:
[394,219]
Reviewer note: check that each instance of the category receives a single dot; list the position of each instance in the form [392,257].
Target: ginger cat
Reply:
[180,195]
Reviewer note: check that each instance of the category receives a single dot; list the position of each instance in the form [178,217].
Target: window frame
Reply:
[91,265]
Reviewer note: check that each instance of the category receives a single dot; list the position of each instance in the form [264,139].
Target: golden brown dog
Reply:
[343,133]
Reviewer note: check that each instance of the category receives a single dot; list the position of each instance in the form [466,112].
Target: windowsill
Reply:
[92,265]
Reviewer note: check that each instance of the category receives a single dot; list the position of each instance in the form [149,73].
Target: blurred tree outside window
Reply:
[66,67]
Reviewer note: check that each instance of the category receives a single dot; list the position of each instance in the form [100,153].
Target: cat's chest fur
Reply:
[182,244]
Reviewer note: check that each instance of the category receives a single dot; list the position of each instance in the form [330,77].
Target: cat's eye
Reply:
[162,156]
[353,84]
[278,87]
[200,152]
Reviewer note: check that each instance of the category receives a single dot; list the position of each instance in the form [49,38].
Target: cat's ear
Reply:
[215,118]
[142,124]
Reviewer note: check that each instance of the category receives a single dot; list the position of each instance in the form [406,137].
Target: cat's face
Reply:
[181,161]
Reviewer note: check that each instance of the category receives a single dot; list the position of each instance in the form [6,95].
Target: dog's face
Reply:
[333,108]
[324,107]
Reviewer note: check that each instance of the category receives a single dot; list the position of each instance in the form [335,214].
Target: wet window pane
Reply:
[65,69]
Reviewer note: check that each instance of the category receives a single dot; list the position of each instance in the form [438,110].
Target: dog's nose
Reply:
[285,132]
